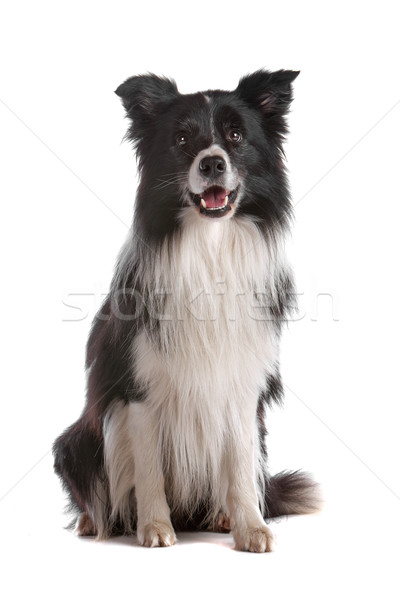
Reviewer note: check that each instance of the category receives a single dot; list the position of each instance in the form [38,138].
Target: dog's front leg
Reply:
[154,527]
[248,526]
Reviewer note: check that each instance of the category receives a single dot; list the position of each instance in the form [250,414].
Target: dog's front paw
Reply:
[254,539]
[156,534]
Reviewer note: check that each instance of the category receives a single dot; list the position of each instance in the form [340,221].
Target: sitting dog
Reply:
[183,357]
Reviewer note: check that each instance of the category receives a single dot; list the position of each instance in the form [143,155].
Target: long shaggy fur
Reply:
[183,357]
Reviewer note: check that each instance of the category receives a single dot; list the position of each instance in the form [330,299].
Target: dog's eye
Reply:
[181,139]
[234,135]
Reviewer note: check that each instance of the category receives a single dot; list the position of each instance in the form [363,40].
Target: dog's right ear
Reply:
[143,96]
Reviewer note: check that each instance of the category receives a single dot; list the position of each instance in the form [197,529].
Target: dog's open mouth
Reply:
[215,201]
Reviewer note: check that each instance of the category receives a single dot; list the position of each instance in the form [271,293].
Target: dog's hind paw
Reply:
[255,539]
[222,524]
[85,525]
[157,534]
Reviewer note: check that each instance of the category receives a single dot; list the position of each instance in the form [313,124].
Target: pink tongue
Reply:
[214,197]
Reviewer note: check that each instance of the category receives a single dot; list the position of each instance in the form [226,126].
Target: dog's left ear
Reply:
[143,96]
[270,92]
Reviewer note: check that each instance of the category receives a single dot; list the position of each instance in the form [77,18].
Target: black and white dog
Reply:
[182,358]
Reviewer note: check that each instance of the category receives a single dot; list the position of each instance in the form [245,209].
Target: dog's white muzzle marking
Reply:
[197,183]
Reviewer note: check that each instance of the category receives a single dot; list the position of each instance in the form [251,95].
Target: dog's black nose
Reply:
[212,166]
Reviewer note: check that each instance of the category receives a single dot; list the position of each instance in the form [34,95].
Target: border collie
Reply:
[183,357]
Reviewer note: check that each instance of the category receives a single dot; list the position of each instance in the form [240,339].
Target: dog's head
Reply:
[215,152]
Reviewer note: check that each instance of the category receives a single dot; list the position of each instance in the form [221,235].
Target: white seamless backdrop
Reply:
[67,189]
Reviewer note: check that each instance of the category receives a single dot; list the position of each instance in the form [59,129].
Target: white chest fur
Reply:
[203,378]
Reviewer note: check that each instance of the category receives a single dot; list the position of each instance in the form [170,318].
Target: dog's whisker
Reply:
[179,179]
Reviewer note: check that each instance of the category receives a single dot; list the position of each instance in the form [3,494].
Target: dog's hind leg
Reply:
[78,455]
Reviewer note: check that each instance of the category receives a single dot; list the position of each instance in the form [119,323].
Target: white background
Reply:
[67,189]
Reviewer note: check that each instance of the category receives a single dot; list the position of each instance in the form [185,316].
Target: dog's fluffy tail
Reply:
[292,493]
